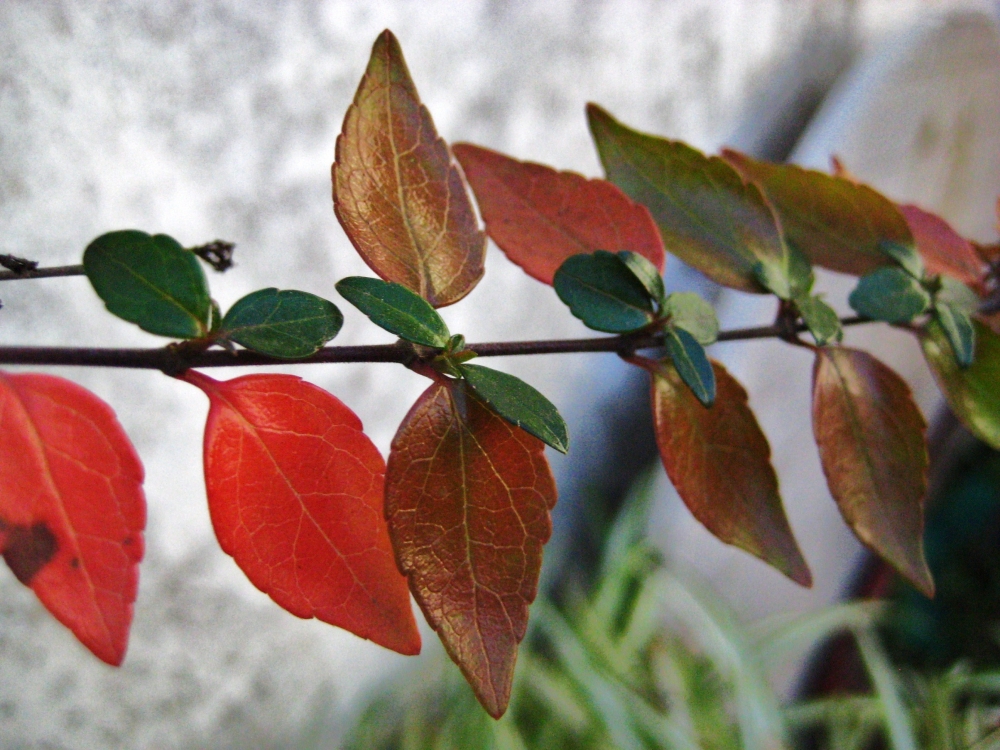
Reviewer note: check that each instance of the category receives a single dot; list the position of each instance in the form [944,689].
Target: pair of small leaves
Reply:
[72,510]
[400,311]
[623,292]
[155,283]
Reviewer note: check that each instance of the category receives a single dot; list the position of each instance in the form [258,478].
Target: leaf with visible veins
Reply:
[295,493]
[540,217]
[72,510]
[468,497]
[720,463]
[871,442]
[836,222]
[396,191]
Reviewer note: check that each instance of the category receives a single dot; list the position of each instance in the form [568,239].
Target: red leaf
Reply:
[540,217]
[295,493]
[396,191]
[943,249]
[871,443]
[72,509]
[468,497]
[720,463]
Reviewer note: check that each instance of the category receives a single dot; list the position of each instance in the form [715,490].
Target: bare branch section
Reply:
[31,270]
[174,359]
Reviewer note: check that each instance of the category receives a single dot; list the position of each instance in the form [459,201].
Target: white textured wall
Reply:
[218,119]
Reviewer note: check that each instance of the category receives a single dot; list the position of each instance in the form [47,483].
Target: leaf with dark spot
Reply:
[72,507]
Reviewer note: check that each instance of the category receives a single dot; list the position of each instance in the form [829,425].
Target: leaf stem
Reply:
[173,359]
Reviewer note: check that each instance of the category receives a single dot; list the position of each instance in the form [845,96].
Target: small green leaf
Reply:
[601,290]
[906,255]
[396,309]
[821,320]
[519,404]
[958,328]
[788,276]
[692,363]
[889,294]
[955,293]
[646,272]
[972,392]
[287,323]
[696,316]
[216,319]
[150,281]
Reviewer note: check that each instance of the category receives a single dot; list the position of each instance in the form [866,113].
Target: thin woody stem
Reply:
[42,273]
[175,358]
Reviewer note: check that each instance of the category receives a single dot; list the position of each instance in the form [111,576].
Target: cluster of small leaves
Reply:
[459,512]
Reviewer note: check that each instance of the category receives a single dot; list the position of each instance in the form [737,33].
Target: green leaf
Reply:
[974,392]
[821,320]
[955,293]
[708,216]
[601,290]
[519,404]
[958,328]
[646,272]
[906,255]
[889,294]
[696,316]
[691,363]
[282,323]
[150,281]
[396,309]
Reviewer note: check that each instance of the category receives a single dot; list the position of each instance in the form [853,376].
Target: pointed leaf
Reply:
[72,510]
[540,217]
[836,222]
[646,272]
[396,309]
[519,404]
[396,191]
[972,392]
[295,493]
[720,463]
[691,363]
[282,323]
[906,256]
[601,291]
[821,320]
[871,442]
[150,281]
[468,497]
[957,294]
[889,294]
[944,251]
[696,316]
[708,217]
[958,328]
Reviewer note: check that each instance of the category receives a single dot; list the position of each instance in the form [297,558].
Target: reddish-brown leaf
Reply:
[396,191]
[837,222]
[870,435]
[720,463]
[295,493]
[468,497]
[72,509]
[540,217]
[943,249]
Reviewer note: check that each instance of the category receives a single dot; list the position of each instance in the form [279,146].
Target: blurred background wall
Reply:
[218,119]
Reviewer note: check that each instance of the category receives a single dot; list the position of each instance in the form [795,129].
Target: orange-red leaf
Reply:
[468,497]
[72,509]
[720,463]
[540,217]
[871,443]
[396,191]
[295,493]
[943,249]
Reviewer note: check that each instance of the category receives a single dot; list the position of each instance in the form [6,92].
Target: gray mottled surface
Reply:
[217,119]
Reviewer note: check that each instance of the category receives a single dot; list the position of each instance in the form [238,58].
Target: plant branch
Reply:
[173,359]
[41,273]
